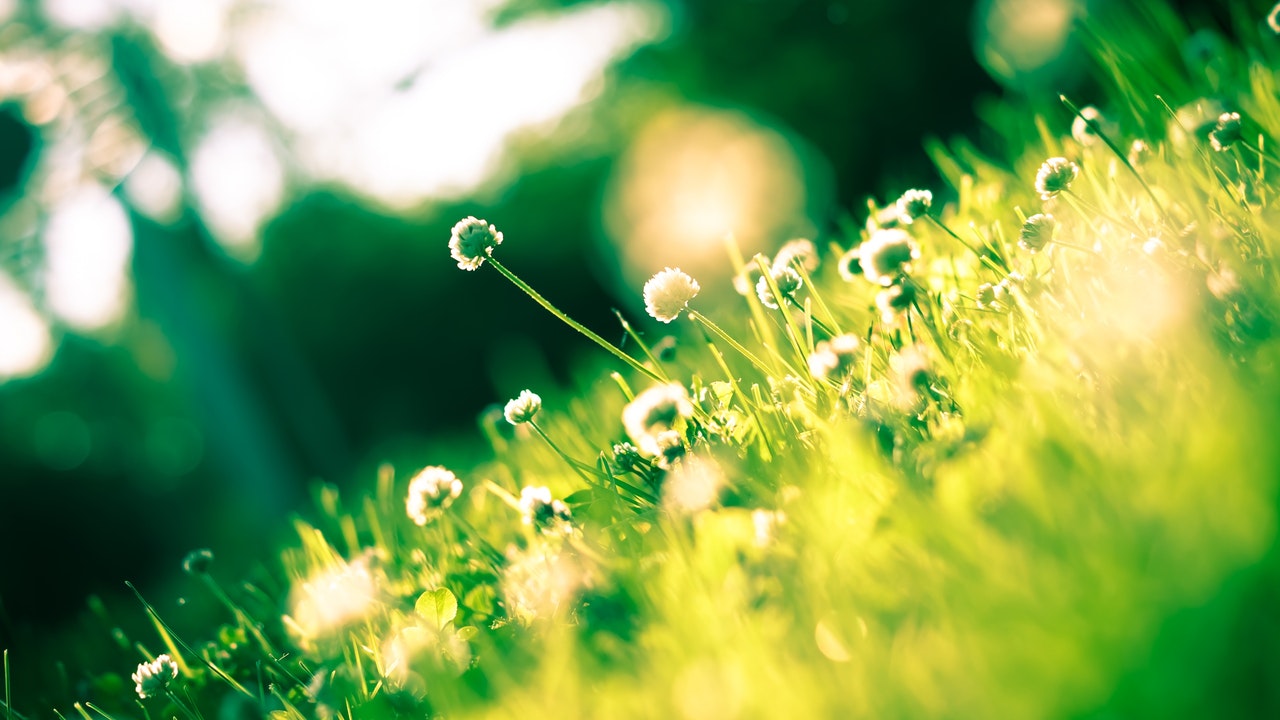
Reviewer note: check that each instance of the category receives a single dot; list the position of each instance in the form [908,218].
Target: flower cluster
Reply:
[522,409]
[152,678]
[835,358]
[473,240]
[1055,175]
[914,204]
[1037,232]
[668,293]
[886,255]
[545,514]
[654,419]
[431,492]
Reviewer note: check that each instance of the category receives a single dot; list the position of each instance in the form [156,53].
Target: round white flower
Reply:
[522,408]
[655,411]
[787,280]
[1055,175]
[431,491]
[887,254]
[834,358]
[668,293]
[914,204]
[472,241]
[539,510]
[153,678]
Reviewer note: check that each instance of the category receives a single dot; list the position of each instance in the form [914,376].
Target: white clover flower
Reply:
[744,282]
[522,408]
[1273,19]
[545,514]
[1036,232]
[989,296]
[787,280]
[894,300]
[1088,123]
[834,358]
[431,492]
[799,250]
[472,241]
[1055,175]
[914,204]
[153,678]
[1226,132]
[668,293]
[850,264]
[659,409]
[887,254]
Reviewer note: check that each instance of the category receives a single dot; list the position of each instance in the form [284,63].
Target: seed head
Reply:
[1056,175]
[886,255]
[472,241]
[1226,132]
[431,492]
[668,293]
[153,678]
[522,408]
[787,280]
[914,204]
[1036,232]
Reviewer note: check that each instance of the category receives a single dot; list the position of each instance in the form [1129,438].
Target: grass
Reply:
[1025,484]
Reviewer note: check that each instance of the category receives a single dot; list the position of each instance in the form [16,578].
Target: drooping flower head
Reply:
[668,293]
[887,254]
[545,514]
[522,408]
[787,280]
[914,204]
[1055,175]
[1226,132]
[472,241]
[660,409]
[1037,231]
[431,492]
[153,678]
[834,358]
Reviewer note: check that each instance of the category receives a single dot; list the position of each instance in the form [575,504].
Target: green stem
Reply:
[613,350]
[982,256]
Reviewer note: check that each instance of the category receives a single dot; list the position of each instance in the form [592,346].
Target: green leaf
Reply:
[438,607]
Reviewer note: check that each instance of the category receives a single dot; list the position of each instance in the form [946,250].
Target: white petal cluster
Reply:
[914,204]
[431,491]
[655,415]
[153,678]
[834,358]
[1055,175]
[522,408]
[540,510]
[472,241]
[887,254]
[668,293]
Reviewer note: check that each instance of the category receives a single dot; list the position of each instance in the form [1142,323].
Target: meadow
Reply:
[1001,448]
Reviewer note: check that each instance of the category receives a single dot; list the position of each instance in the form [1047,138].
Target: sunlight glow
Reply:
[25,342]
[88,244]
[238,180]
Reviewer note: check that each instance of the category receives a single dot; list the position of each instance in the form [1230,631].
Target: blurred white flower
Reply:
[1055,175]
[787,280]
[834,358]
[886,254]
[914,204]
[431,492]
[655,411]
[544,513]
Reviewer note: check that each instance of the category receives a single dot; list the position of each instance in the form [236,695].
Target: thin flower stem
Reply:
[982,256]
[710,325]
[638,492]
[610,347]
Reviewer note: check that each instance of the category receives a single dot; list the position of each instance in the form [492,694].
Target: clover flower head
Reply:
[787,280]
[668,293]
[1087,124]
[800,250]
[659,409]
[850,264]
[431,492]
[834,358]
[153,678]
[545,514]
[1036,232]
[472,241]
[1055,175]
[628,457]
[522,408]
[1226,132]
[989,296]
[886,255]
[1273,19]
[895,300]
[914,204]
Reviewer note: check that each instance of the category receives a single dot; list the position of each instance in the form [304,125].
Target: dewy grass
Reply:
[1000,479]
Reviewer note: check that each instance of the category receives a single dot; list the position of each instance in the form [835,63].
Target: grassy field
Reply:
[1001,449]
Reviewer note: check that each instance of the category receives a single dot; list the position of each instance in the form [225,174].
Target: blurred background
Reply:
[223,225]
